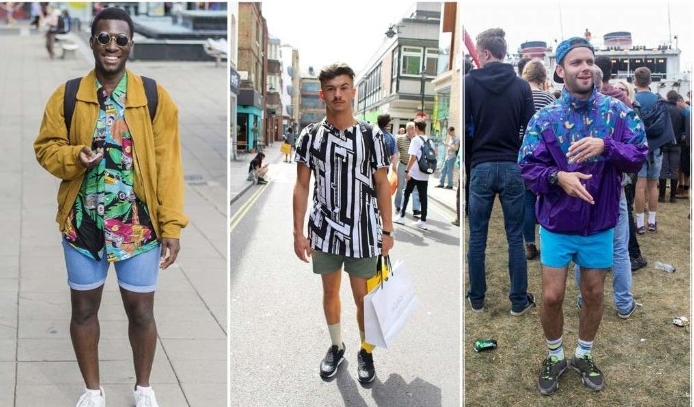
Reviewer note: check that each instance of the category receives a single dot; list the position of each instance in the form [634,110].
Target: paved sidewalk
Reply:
[37,364]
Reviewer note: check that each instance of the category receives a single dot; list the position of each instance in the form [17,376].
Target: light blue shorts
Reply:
[652,166]
[589,252]
[137,274]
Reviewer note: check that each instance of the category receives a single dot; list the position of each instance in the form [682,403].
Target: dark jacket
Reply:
[497,105]
[678,122]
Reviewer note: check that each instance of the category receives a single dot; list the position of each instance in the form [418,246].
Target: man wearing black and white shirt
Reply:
[415,177]
[350,220]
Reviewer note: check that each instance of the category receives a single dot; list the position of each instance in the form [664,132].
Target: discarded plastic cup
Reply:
[681,321]
[485,344]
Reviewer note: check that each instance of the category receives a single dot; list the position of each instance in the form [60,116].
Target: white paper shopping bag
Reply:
[388,307]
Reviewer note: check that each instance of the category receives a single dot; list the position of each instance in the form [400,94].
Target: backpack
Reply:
[70,97]
[658,125]
[427,158]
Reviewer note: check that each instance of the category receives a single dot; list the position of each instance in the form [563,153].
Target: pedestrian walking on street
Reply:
[573,155]
[403,145]
[492,92]
[414,177]
[120,199]
[452,146]
[289,141]
[350,221]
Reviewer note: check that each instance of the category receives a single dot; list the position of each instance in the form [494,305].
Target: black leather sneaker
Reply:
[332,359]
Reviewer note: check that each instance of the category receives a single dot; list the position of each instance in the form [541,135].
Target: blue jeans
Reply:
[529,222]
[401,188]
[621,264]
[447,172]
[486,181]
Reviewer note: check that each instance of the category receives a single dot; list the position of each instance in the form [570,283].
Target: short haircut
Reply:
[535,72]
[334,70]
[642,76]
[672,96]
[522,63]
[409,124]
[289,130]
[598,76]
[605,64]
[113,13]
[420,124]
[493,41]
[383,120]
[451,128]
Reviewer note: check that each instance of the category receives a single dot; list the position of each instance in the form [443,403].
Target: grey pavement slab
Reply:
[37,363]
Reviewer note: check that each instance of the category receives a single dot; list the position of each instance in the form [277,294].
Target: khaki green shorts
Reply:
[324,263]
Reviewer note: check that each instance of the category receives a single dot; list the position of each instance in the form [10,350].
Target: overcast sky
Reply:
[546,20]
[329,31]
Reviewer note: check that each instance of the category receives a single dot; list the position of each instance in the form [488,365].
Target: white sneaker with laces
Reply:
[89,399]
[400,219]
[144,397]
[421,224]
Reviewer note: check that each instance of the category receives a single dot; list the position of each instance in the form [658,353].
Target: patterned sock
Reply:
[335,335]
[555,348]
[639,220]
[365,345]
[583,348]
[651,217]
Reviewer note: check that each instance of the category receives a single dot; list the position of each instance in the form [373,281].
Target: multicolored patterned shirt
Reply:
[107,215]
[344,219]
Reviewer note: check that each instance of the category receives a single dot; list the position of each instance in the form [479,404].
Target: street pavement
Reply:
[277,329]
[37,363]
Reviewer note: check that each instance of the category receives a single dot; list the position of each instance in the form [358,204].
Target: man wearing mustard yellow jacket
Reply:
[120,200]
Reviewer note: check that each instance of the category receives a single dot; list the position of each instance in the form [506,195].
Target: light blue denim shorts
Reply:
[652,166]
[590,252]
[137,274]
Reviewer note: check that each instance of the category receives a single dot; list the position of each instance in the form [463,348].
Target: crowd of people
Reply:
[589,163]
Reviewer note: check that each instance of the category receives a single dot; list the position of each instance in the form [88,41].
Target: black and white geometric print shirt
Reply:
[344,219]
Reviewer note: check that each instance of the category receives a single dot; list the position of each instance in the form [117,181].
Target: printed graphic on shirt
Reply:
[106,213]
[344,219]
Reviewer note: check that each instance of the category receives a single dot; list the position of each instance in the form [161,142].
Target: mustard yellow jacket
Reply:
[158,179]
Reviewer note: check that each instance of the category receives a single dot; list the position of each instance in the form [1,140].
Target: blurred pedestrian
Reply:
[257,170]
[350,222]
[492,92]
[120,199]
[384,121]
[414,177]
[50,23]
[36,15]
[536,75]
[452,144]
[572,157]
[403,145]
[10,8]
[685,158]
[672,151]
[289,144]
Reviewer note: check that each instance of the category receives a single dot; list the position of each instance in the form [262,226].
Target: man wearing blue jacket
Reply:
[498,104]
[572,157]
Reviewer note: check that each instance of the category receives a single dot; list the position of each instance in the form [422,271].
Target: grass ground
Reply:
[645,359]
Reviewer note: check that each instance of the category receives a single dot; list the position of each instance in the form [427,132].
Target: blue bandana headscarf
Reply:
[567,45]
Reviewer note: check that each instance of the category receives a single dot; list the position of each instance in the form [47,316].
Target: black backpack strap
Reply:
[69,100]
[152,96]
[367,132]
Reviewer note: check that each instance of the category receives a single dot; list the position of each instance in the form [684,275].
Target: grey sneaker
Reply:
[528,305]
[331,361]
[592,376]
[552,369]
[627,314]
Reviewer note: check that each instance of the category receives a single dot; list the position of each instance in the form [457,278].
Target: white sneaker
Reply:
[144,397]
[89,399]
[420,224]
[400,219]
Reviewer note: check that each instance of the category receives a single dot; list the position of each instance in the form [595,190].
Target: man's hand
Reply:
[302,248]
[386,244]
[584,149]
[572,184]
[169,251]
[88,158]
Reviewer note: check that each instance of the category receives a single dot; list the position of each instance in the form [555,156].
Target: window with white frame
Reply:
[411,61]
[432,61]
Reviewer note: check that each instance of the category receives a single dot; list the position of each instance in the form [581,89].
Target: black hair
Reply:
[332,71]
[605,64]
[113,13]
[383,120]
